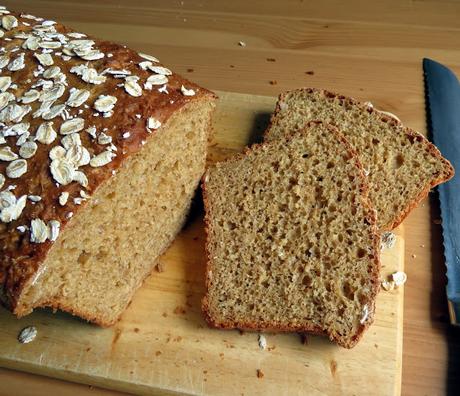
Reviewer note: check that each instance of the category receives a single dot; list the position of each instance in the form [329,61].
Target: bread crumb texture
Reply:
[291,239]
[401,164]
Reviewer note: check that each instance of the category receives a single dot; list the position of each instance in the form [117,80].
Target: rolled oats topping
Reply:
[157,79]
[9,22]
[5,82]
[16,168]
[6,154]
[153,123]
[77,97]
[133,88]
[30,96]
[4,60]
[52,112]
[148,57]
[34,198]
[39,231]
[51,72]
[187,92]
[44,59]
[72,126]
[104,139]
[5,98]
[63,198]
[160,70]
[55,84]
[45,133]
[105,103]
[28,150]
[62,170]
[17,63]
[102,159]
[10,207]
[54,227]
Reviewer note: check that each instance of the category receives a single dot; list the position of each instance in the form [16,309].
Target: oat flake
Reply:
[39,231]
[399,278]
[62,171]
[160,70]
[4,60]
[17,63]
[63,198]
[388,285]
[52,72]
[153,123]
[72,126]
[6,154]
[28,150]
[16,168]
[365,315]
[5,83]
[388,240]
[157,79]
[27,335]
[148,57]
[45,133]
[10,207]
[101,159]
[187,92]
[105,103]
[77,97]
[30,96]
[9,22]
[44,59]
[133,88]
[54,227]
[262,341]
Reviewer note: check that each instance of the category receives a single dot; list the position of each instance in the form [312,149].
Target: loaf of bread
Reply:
[101,150]
[292,242]
[401,164]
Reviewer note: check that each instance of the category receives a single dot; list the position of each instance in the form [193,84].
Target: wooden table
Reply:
[370,50]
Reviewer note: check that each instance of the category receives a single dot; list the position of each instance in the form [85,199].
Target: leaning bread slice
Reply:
[291,238]
[401,164]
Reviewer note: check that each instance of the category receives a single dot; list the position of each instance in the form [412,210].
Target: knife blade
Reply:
[442,93]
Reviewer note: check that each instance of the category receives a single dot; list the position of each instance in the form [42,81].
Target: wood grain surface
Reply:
[163,345]
[371,50]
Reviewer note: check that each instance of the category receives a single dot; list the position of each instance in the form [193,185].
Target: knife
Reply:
[442,92]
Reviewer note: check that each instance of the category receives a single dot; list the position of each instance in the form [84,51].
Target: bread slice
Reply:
[101,150]
[401,164]
[291,238]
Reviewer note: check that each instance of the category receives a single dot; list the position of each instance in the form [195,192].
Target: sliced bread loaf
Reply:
[98,167]
[291,238]
[401,164]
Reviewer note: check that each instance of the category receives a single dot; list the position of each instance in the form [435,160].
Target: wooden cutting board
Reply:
[163,346]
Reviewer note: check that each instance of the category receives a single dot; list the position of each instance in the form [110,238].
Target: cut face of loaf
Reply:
[109,248]
[400,163]
[291,239]
[101,149]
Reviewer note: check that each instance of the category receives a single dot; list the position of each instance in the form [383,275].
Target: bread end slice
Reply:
[292,243]
[402,165]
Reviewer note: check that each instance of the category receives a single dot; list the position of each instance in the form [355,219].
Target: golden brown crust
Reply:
[20,257]
[271,326]
[443,177]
